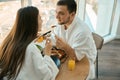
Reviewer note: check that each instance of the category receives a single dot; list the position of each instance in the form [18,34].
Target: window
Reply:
[91,13]
[105,14]
[8,11]
[47,10]
[100,16]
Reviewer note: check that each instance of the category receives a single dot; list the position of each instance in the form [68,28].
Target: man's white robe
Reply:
[79,37]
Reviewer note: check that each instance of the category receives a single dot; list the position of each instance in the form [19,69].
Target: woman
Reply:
[20,58]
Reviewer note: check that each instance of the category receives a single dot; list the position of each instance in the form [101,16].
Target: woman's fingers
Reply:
[48,47]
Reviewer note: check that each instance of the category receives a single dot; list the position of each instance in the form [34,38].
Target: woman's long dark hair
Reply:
[13,48]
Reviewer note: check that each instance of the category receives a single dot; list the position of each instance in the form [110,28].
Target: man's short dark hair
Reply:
[71,5]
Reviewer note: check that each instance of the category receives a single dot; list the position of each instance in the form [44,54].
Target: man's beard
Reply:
[65,22]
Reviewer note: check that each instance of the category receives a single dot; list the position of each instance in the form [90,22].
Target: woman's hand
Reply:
[48,47]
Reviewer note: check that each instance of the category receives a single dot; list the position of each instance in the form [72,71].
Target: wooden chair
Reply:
[99,43]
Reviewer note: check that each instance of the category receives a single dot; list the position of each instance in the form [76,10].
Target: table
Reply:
[79,73]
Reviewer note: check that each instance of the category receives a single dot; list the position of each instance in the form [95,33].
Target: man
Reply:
[73,35]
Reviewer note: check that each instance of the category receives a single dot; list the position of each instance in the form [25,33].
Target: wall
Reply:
[118,30]
[116,22]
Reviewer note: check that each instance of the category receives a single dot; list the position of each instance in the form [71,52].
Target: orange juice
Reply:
[71,64]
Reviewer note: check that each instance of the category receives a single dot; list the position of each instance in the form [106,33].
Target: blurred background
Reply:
[102,16]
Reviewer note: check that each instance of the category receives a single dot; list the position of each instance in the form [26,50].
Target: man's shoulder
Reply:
[80,22]
[82,28]
[82,25]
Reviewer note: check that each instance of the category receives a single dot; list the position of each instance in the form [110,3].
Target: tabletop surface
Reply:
[79,73]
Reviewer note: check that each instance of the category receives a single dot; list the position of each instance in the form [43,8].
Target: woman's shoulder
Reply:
[35,46]
[31,46]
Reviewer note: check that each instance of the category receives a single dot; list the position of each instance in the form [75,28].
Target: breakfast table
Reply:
[80,71]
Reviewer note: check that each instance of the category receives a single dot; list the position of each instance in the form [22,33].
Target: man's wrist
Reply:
[70,52]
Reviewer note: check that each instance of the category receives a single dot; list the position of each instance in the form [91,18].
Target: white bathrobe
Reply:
[37,67]
[79,37]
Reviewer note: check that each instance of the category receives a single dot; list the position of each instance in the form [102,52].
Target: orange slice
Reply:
[40,39]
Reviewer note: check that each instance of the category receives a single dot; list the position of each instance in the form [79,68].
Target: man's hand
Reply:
[60,43]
